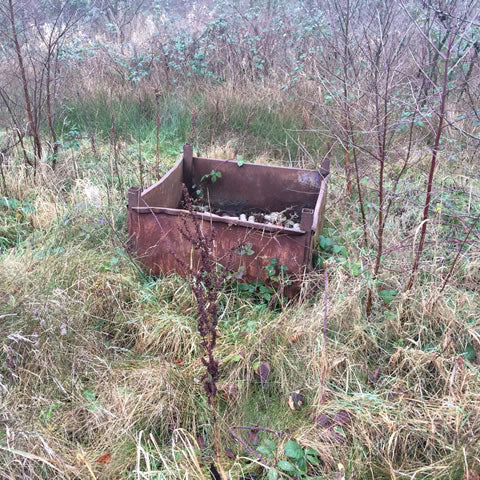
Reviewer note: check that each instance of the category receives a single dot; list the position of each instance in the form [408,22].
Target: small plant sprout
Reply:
[213,176]
[301,463]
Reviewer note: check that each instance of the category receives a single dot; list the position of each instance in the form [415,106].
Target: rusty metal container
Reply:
[155,217]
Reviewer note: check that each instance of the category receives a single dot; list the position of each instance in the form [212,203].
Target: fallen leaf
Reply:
[293,338]
[229,453]
[263,372]
[238,275]
[342,417]
[105,459]
[329,435]
[295,401]
[323,421]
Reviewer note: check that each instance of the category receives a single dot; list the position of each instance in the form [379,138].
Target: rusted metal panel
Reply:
[162,254]
[258,186]
[155,219]
[167,192]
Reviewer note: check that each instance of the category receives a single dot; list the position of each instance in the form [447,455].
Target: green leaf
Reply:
[355,268]
[287,466]
[48,414]
[219,174]
[313,460]
[270,444]
[470,353]
[325,242]
[272,474]
[91,398]
[339,430]
[302,464]
[312,451]
[262,449]
[240,160]
[389,315]
[244,249]
[340,249]
[214,178]
[293,449]
[388,295]
[89,395]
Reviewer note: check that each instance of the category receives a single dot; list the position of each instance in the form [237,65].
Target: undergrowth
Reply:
[100,371]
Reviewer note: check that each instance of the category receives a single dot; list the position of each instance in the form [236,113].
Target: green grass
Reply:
[133,118]
[257,127]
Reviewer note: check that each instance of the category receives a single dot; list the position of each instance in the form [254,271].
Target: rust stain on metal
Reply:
[155,216]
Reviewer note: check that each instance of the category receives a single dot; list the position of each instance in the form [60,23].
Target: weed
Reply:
[213,176]
[206,283]
[199,189]
[301,461]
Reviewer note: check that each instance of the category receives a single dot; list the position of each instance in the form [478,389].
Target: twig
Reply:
[447,278]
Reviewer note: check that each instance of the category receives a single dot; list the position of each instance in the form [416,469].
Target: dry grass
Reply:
[100,365]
